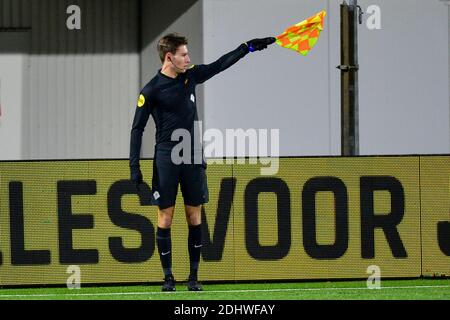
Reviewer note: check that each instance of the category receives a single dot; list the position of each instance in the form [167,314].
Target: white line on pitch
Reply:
[213,291]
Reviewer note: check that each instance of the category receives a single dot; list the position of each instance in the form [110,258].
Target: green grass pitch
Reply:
[415,289]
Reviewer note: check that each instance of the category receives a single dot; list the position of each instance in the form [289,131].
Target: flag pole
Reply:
[351,14]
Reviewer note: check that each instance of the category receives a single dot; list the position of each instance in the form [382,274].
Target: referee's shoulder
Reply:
[150,87]
[191,68]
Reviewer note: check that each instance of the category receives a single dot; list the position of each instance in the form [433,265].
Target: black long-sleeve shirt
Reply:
[172,102]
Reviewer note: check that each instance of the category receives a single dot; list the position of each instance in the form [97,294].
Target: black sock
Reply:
[164,244]
[195,247]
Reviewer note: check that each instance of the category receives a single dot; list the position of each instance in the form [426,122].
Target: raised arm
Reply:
[203,72]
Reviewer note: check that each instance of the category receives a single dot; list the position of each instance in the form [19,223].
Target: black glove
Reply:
[260,44]
[136,177]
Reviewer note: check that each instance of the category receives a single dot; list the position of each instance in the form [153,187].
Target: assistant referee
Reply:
[171,101]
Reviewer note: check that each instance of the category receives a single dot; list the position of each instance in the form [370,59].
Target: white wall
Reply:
[404,79]
[404,85]
[275,88]
[83,84]
[160,17]
[14,68]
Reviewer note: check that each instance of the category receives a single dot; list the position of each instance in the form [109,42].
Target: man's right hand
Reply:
[136,177]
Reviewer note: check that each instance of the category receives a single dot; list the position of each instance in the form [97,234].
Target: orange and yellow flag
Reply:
[303,36]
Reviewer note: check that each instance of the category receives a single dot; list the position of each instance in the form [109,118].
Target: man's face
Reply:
[181,59]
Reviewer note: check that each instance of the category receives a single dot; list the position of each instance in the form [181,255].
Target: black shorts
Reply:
[167,176]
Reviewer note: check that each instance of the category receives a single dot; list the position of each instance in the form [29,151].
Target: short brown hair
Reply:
[170,43]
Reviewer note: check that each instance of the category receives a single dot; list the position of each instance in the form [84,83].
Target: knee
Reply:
[194,220]
[165,219]
[194,217]
[164,222]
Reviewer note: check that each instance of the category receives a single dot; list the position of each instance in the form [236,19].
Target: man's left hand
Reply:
[260,44]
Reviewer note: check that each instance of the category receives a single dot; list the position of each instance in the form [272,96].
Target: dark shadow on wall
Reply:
[106,26]
[158,16]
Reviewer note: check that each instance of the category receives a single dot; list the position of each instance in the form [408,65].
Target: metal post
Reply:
[350,14]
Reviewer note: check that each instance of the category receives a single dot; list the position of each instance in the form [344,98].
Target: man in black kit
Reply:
[170,98]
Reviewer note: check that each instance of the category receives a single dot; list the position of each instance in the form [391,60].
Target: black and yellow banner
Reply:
[435,215]
[318,218]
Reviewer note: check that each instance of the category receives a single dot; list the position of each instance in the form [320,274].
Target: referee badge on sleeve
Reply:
[141,101]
